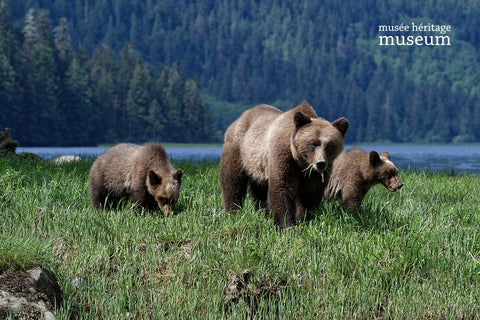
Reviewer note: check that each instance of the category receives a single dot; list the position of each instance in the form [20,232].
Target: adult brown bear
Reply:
[139,173]
[286,159]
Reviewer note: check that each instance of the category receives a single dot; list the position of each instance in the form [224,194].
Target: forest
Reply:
[87,72]
[51,94]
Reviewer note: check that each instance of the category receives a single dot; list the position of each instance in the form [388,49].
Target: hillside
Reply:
[326,52]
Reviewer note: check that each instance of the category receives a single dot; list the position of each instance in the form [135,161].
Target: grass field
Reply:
[413,254]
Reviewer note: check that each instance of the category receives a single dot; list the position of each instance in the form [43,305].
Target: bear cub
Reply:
[355,172]
[142,174]
[284,157]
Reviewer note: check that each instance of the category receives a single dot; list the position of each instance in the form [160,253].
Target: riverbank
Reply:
[408,255]
[457,159]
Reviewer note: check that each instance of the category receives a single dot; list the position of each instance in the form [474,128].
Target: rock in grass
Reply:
[63,159]
[30,294]
[239,290]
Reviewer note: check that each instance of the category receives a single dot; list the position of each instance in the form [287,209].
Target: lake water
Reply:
[175,153]
[459,158]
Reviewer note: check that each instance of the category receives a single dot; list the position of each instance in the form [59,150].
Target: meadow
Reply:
[412,254]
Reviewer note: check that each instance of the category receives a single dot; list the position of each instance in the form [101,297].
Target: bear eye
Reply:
[312,145]
[329,147]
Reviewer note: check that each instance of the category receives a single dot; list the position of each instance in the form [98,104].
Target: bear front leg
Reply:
[97,192]
[351,200]
[97,199]
[281,201]
[233,179]
[299,210]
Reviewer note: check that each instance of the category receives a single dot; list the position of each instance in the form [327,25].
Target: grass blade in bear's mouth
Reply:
[308,172]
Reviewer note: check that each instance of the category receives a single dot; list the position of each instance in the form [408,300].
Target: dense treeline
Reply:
[52,95]
[326,52]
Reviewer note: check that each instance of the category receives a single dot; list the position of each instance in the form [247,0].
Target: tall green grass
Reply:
[413,254]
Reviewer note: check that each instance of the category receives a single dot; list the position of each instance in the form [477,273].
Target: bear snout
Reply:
[394,186]
[168,208]
[320,165]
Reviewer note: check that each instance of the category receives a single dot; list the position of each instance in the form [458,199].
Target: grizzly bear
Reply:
[285,158]
[139,173]
[355,172]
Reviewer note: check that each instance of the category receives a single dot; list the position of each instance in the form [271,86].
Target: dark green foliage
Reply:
[50,95]
[249,52]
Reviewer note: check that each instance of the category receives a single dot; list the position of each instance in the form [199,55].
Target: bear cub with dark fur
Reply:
[355,172]
[285,158]
[142,174]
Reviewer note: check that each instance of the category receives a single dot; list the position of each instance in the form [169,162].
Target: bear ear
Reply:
[342,125]
[374,159]
[385,155]
[301,119]
[305,104]
[177,175]
[153,178]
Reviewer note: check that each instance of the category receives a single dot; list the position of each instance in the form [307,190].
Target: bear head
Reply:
[384,171]
[317,142]
[165,189]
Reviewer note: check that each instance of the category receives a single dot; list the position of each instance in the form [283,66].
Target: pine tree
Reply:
[122,78]
[103,69]
[81,114]
[7,93]
[63,43]
[156,121]
[138,101]
[30,31]
[8,78]
[356,105]
[378,104]
[9,43]
[172,94]
[193,112]
[46,84]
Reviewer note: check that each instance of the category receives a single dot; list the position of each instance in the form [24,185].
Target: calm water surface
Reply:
[459,158]
[175,153]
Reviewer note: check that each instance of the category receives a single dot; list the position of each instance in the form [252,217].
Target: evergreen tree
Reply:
[138,101]
[122,82]
[172,95]
[378,104]
[156,121]
[413,127]
[103,69]
[8,38]
[356,104]
[475,117]
[8,78]
[81,113]
[441,129]
[193,112]
[7,93]
[45,77]
[28,100]
[63,43]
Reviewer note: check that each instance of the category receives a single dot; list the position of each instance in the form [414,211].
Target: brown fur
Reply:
[142,174]
[355,172]
[284,157]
